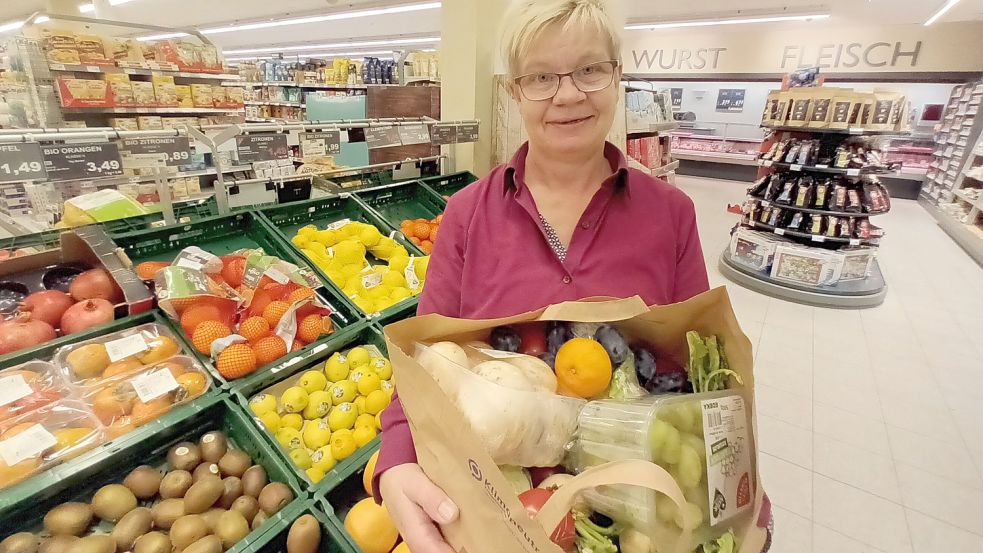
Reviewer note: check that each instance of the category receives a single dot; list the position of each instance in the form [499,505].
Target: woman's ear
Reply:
[514,91]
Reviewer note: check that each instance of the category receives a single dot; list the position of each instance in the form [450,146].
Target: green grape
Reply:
[671,447]
[665,509]
[698,496]
[698,445]
[696,411]
[690,468]
[658,433]
[694,514]
[684,418]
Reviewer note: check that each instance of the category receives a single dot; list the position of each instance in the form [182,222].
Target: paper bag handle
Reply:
[633,471]
[599,310]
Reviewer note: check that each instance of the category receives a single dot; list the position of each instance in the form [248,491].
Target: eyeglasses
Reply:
[592,77]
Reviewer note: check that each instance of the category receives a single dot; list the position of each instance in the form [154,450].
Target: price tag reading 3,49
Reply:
[21,162]
[82,161]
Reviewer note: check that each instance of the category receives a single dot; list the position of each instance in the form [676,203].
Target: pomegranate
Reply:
[86,314]
[565,533]
[24,331]
[95,283]
[47,305]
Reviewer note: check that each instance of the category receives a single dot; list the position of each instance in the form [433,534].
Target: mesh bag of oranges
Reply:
[422,232]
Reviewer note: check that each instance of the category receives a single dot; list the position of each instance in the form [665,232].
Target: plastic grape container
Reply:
[702,440]
[28,386]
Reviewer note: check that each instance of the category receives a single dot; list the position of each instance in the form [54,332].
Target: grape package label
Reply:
[726,438]
[82,161]
[170,151]
[21,162]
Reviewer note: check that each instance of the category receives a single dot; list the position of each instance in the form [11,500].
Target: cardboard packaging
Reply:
[143,94]
[755,249]
[84,93]
[122,89]
[91,50]
[124,123]
[810,266]
[150,123]
[183,94]
[201,95]
[60,46]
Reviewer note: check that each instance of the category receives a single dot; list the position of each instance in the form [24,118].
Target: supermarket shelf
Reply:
[271,120]
[667,168]
[968,236]
[854,294]
[853,131]
[274,103]
[138,71]
[154,110]
[819,169]
[312,86]
[767,203]
[819,239]
[977,202]
[733,159]
[655,128]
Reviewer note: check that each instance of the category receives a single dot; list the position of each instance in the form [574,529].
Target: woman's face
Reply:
[571,122]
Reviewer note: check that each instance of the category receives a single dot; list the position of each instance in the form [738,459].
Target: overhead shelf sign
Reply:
[320,144]
[82,161]
[21,162]
[414,134]
[454,134]
[170,151]
[382,137]
[251,148]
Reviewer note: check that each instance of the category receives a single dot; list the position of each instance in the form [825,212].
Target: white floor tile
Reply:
[929,535]
[828,388]
[789,486]
[793,408]
[933,422]
[948,460]
[856,430]
[787,442]
[860,515]
[795,535]
[941,498]
[790,315]
[855,466]
[825,540]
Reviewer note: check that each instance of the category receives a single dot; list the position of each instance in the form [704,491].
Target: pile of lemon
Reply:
[328,414]
[340,251]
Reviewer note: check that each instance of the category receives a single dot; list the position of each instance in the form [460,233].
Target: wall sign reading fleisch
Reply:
[251,148]
[320,143]
[730,99]
[172,151]
[21,162]
[82,161]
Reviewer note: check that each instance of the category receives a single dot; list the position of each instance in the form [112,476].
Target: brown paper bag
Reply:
[492,519]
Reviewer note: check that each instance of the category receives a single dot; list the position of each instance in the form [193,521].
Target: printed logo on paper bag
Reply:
[475,470]
[520,534]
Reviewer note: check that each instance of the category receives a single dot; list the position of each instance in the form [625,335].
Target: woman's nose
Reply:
[567,92]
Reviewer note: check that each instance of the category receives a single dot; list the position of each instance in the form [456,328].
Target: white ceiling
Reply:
[206,13]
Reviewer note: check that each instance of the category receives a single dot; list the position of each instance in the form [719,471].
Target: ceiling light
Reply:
[303,20]
[948,6]
[118,2]
[86,8]
[711,22]
[394,42]
[12,26]
[41,19]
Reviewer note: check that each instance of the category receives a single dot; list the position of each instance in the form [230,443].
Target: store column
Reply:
[468,59]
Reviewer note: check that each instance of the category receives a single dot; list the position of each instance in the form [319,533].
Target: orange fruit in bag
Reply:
[312,327]
[300,294]
[206,333]
[197,314]
[269,349]
[583,368]
[274,311]
[233,269]
[254,328]
[236,361]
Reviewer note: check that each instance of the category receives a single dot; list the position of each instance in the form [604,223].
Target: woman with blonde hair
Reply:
[564,220]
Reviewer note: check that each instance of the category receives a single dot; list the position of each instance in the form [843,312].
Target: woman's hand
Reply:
[415,504]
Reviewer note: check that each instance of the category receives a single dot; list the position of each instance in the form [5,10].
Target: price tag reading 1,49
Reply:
[82,161]
[21,162]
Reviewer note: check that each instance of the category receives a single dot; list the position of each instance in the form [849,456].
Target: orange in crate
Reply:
[206,333]
[145,412]
[254,328]
[236,361]
[274,311]
[197,314]
[312,327]
[261,298]
[421,230]
[233,269]
[426,246]
[148,269]
[299,294]
[415,240]
[433,232]
[269,349]
[297,346]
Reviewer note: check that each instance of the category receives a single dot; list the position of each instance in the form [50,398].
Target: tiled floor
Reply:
[870,422]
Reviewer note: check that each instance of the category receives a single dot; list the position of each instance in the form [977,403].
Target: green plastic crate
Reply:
[80,479]
[368,334]
[223,235]
[407,200]
[184,212]
[289,218]
[274,540]
[46,240]
[448,185]
[340,499]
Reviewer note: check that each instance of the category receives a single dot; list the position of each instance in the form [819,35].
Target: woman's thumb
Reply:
[433,501]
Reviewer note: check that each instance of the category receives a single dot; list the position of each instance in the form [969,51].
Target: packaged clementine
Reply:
[28,386]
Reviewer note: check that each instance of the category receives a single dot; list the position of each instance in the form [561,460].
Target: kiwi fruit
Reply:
[167,511]
[96,543]
[112,501]
[134,524]
[232,490]
[211,518]
[187,530]
[58,544]
[275,496]
[234,463]
[208,544]
[205,469]
[184,456]
[175,484]
[68,519]
[253,480]
[213,446]
[144,481]
[258,520]
[154,542]
[21,542]
[231,528]
[202,495]
[304,535]
[247,505]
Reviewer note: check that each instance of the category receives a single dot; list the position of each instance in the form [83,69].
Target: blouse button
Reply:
[585,225]
[567,279]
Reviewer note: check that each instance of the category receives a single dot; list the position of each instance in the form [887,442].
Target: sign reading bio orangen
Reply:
[778,50]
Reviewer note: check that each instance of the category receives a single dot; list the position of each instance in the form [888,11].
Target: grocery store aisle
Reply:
[870,422]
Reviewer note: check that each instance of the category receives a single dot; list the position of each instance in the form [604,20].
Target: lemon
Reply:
[343,445]
[420,267]
[365,304]
[349,251]
[326,237]
[307,230]
[271,421]
[301,458]
[399,294]
[317,434]
[318,405]
[300,241]
[360,404]
[315,474]
[262,404]
[376,401]
[337,367]
[313,381]
[323,459]
[335,275]
[289,438]
[384,249]
[343,416]
[358,357]
[365,419]
[369,382]
[393,279]
[294,399]
[292,420]
[387,386]
[398,262]
[363,435]
[382,367]
[354,282]
[318,249]
[369,235]
[379,293]
[343,391]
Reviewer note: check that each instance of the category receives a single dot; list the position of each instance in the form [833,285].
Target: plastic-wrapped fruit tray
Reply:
[14,288]
[30,385]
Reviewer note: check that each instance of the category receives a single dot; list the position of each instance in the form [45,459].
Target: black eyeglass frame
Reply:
[559,78]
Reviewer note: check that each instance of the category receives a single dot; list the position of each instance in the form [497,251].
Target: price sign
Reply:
[467,133]
[82,161]
[262,147]
[414,134]
[316,144]
[853,172]
[171,151]
[382,137]
[21,162]
[795,167]
[780,231]
[443,134]
[818,238]
[730,99]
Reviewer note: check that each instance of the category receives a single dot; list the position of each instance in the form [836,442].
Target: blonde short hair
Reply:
[526,20]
